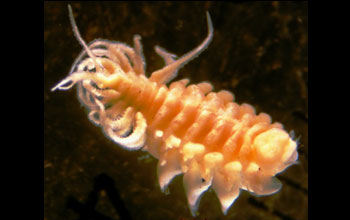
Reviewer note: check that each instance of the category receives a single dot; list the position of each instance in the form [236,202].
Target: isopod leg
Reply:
[195,186]
[139,65]
[125,123]
[72,79]
[136,139]
[168,168]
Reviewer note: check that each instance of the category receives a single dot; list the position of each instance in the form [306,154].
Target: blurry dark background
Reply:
[259,52]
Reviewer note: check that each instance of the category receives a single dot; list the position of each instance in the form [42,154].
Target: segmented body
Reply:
[189,129]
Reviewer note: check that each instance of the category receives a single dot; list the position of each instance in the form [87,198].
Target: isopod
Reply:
[191,130]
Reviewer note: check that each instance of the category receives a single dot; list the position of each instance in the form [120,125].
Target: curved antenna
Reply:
[169,72]
[80,39]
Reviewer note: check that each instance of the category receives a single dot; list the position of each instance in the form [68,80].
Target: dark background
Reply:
[259,52]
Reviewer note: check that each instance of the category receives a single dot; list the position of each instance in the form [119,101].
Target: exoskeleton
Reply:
[191,130]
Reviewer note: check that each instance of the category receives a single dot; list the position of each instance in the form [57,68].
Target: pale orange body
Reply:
[189,129]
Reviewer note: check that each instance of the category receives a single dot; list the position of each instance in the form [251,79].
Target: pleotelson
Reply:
[191,130]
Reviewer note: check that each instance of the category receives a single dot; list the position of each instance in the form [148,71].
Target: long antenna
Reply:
[79,38]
